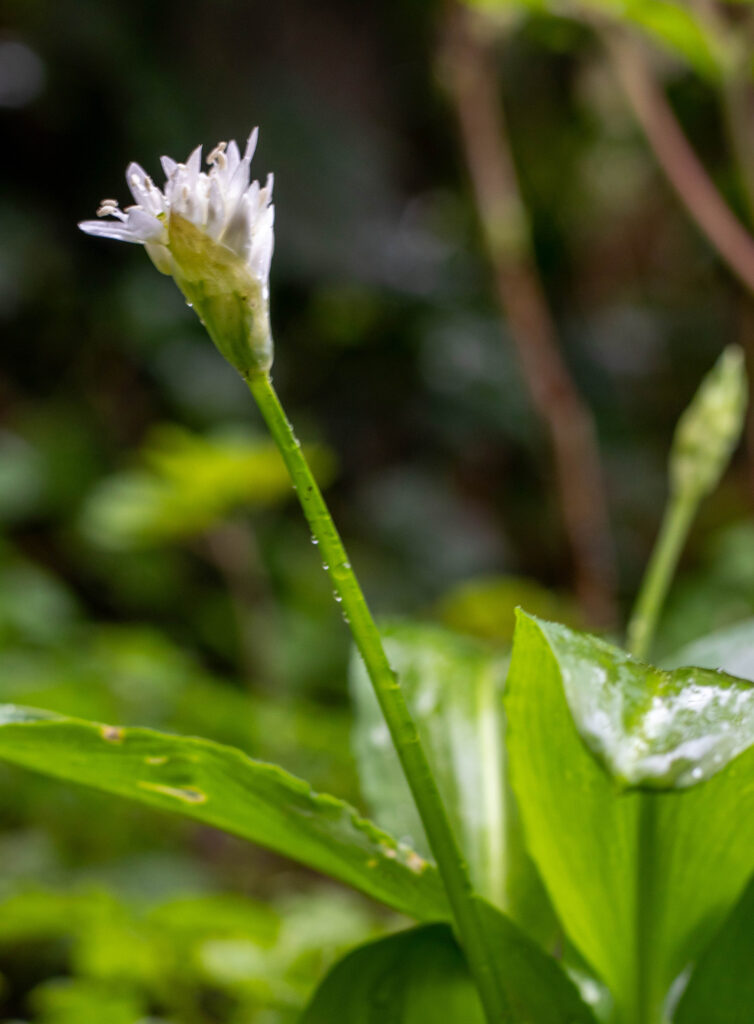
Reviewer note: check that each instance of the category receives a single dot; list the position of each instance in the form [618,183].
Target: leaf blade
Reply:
[222,787]
[593,843]
[420,977]
[722,984]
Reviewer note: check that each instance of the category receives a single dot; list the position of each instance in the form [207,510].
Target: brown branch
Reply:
[678,160]
[470,75]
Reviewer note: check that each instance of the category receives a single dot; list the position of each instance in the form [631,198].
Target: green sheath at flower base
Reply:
[213,233]
[710,428]
[229,301]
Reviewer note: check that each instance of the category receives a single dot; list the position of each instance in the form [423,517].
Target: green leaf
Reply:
[454,690]
[185,483]
[722,985]
[641,881]
[673,26]
[84,1001]
[651,727]
[730,649]
[453,686]
[221,786]
[669,23]
[420,977]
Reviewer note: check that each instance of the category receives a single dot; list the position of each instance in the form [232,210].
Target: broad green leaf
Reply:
[420,977]
[221,786]
[453,686]
[730,649]
[722,985]
[641,880]
[652,727]
[454,690]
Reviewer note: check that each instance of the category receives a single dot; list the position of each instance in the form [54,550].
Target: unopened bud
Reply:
[710,428]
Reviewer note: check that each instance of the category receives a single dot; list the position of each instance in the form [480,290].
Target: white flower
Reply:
[213,232]
[221,203]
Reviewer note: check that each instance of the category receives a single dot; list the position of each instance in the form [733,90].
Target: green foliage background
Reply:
[153,571]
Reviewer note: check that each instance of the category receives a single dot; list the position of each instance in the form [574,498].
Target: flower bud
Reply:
[710,428]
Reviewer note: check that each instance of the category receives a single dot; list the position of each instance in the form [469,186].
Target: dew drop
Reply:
[314,540]
[337,596]
[325,566]
[697,773]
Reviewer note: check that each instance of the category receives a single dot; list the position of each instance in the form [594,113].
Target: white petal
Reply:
[109,229]
[143,225]
[143,189]
[236,187]
[136,179]
[252,194]
[215,209]
[237,234]
[251,145]
[267,190]
[168,165]
[194,163]
[263,242]
[232,156]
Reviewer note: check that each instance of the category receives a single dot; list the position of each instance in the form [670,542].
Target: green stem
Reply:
[450,861]
[662,565]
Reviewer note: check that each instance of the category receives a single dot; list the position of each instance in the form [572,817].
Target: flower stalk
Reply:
[213,233]
[348,593]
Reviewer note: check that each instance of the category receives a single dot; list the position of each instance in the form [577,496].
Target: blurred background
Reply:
[509,242]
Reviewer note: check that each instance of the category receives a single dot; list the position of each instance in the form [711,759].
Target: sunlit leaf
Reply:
[185,483]
[222,787]
[420,977]
[671,24]
[81,1001]
[641,880]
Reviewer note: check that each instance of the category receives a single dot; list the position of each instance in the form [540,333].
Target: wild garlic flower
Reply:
[213,233]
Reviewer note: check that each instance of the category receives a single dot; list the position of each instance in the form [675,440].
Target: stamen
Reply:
[217,156]
[148,184]
[107,207]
